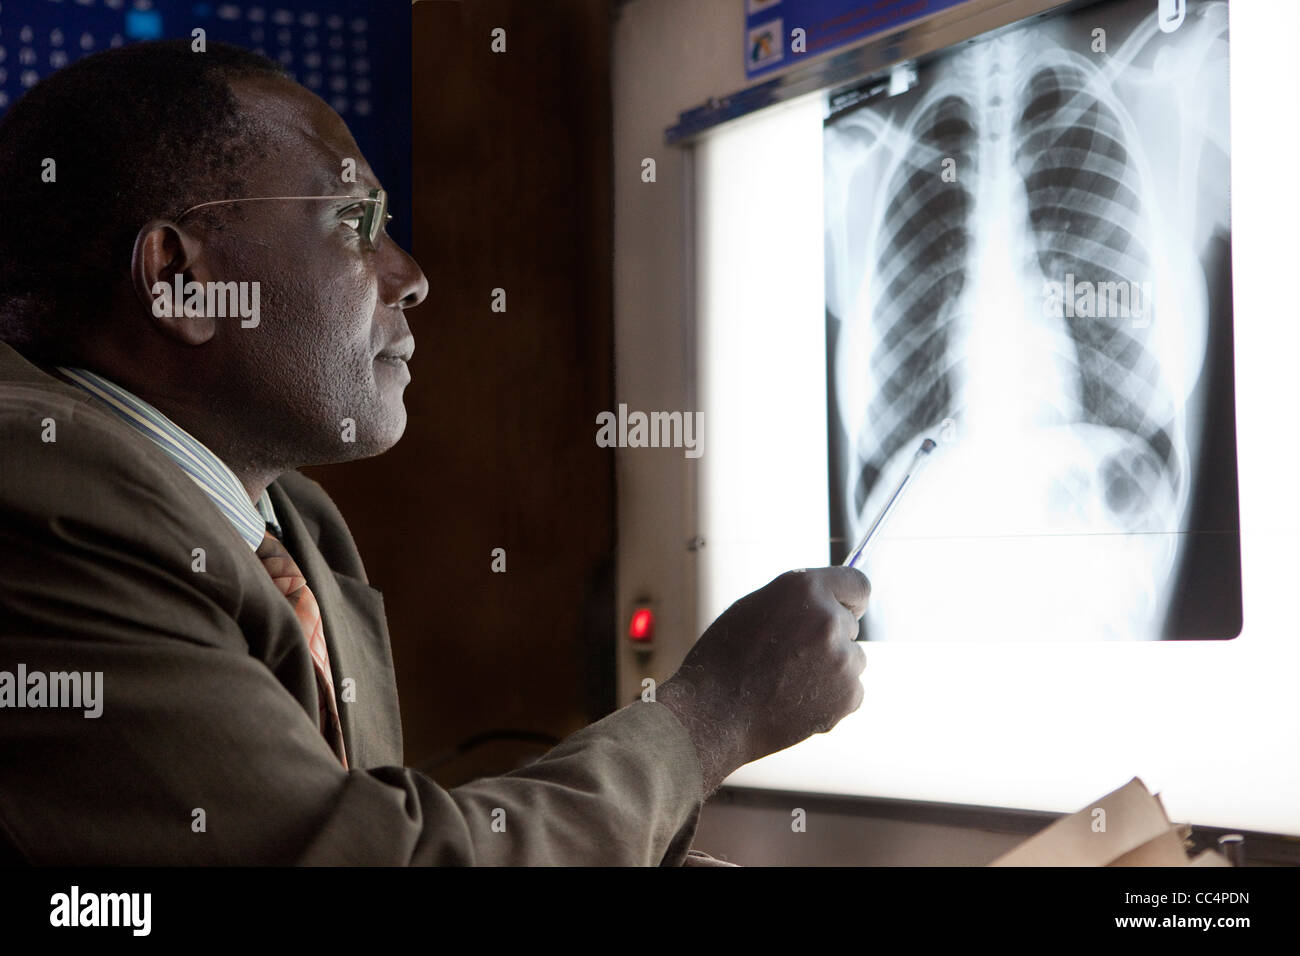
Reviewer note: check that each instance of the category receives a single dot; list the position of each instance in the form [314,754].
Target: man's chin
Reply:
[388,434]
[397,430]
[357,440]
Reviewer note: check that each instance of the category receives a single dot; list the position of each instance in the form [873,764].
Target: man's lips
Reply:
[399,352]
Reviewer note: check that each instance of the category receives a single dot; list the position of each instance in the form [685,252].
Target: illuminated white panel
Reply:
[1212,725]
[763,504]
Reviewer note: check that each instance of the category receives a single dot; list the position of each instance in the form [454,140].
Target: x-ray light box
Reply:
[1023,248]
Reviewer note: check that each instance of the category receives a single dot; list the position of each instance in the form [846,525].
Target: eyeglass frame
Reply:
[371,223]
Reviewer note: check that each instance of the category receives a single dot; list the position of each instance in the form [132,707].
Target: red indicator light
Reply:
[642,627]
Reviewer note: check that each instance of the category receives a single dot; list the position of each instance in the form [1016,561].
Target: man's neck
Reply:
[255,489]
[252,478]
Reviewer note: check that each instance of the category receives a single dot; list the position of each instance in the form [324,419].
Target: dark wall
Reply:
[512,190]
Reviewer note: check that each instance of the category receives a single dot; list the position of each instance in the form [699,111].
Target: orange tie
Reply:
[284,572]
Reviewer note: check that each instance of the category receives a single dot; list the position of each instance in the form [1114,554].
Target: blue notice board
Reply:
[827,25]
[354,54]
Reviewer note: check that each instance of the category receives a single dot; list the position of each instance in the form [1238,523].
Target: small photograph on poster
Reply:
[1028,261]
[764,44]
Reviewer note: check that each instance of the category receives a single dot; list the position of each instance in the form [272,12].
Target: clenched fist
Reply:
[776,667]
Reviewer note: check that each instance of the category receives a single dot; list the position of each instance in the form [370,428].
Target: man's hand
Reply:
[776,667]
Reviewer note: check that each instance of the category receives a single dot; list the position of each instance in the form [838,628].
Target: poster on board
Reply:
[779,33]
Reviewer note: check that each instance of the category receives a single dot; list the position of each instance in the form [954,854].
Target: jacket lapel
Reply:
[356,634]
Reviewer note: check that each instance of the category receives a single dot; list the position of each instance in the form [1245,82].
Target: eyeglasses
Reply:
[373,220]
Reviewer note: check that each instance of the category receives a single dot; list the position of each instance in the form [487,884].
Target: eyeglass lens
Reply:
[378,212]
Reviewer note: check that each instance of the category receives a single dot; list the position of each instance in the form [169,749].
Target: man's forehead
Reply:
[305,129]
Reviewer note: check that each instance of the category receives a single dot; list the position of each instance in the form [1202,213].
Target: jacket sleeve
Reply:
[200,754]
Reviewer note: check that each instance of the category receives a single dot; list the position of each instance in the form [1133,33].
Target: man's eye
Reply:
[353,217]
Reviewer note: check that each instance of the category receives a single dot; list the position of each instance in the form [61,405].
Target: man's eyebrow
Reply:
[329,184]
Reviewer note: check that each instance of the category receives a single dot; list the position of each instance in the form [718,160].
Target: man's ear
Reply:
[162,252]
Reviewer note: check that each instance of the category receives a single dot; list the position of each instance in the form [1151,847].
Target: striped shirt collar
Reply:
[209,472]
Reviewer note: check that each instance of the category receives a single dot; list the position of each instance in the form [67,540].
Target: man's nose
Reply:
[405,285]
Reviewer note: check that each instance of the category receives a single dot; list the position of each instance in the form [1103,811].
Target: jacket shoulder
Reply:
[100,532]
[66,456]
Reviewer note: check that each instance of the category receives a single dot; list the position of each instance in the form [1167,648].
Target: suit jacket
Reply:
[208,748]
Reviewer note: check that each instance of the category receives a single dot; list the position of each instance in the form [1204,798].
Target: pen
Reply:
[919,459]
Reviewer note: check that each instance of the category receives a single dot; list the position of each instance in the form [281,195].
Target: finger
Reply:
[857,657]
[852,664]
[846,622]
[849,586]
[859,695]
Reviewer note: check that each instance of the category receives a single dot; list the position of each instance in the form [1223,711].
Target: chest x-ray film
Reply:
[1028,260]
